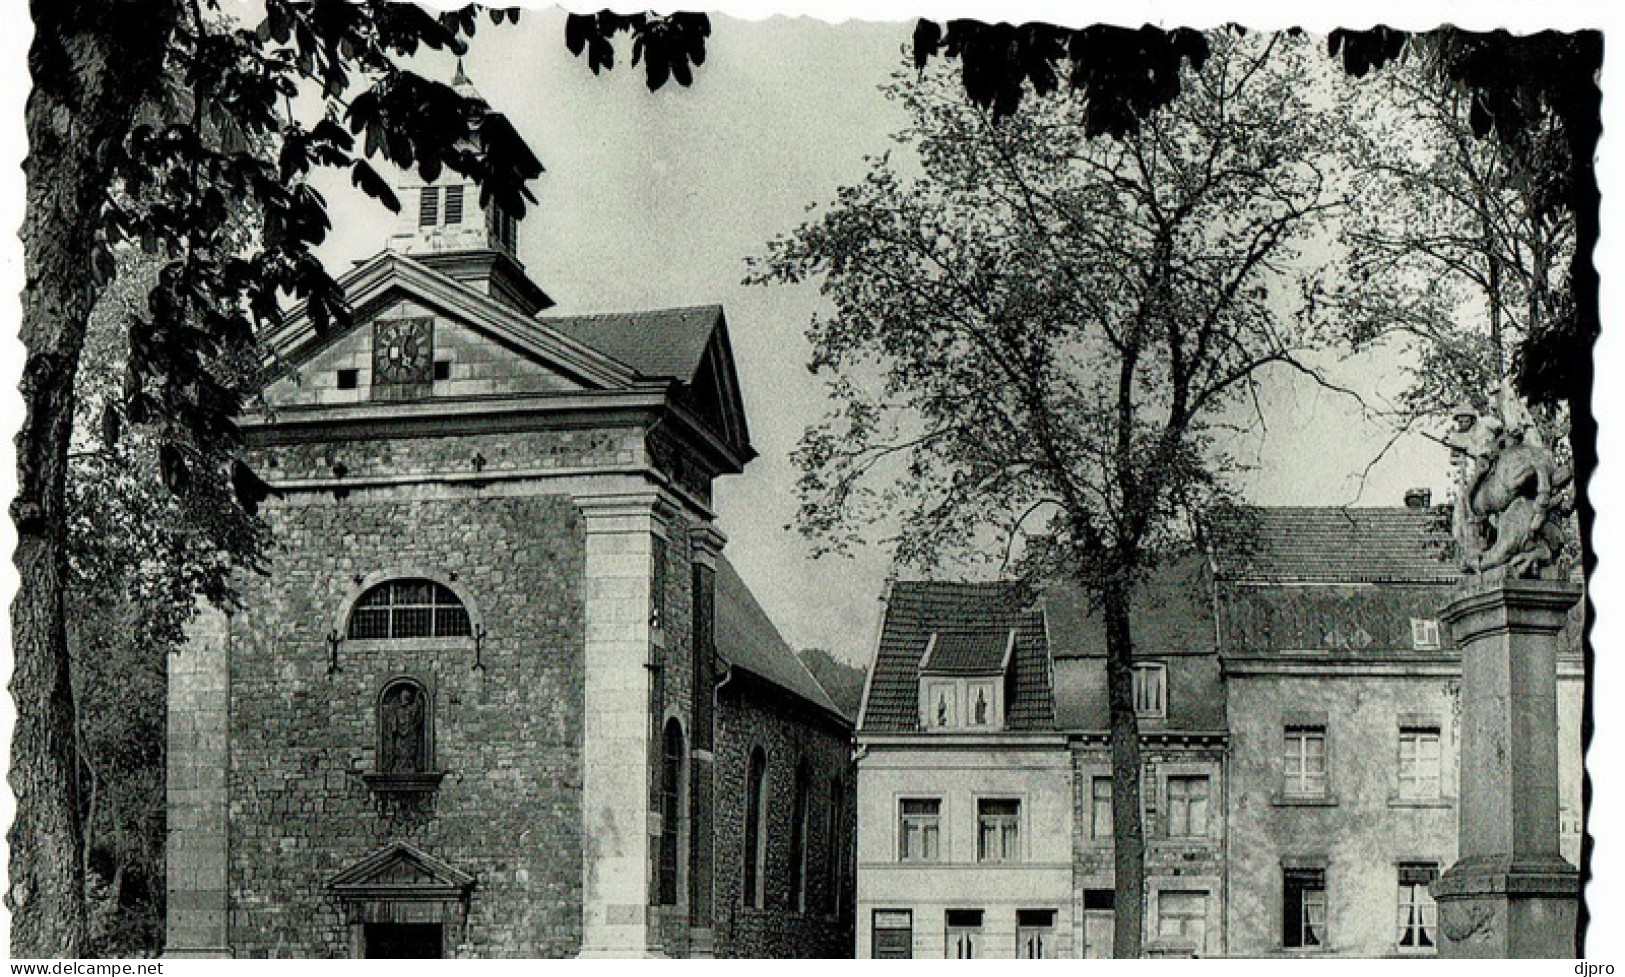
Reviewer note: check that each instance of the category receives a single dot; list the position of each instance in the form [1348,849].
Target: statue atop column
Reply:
[1509,506]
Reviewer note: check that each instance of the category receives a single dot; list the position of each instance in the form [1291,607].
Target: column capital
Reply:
[1479,609]
[707,541]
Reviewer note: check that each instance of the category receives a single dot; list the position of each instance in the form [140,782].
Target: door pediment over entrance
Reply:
[399,886]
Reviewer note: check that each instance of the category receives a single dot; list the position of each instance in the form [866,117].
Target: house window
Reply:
[756,830]
[980,703]
[403,728]
[798,839]
[1419,762]
[1182,919]
[963,937]
[1305,761]
[1424,634]
[1151,691]
[942,705]
[1418,916]
[671,812]
[1100,808]
[1187,807]
[893,934]
[428,206]
[919,831]
[1035,934]
[454,205]
[1303,908]
[998,830]
[408,609]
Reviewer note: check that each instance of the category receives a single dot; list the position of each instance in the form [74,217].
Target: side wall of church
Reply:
[508,735]
[751,715]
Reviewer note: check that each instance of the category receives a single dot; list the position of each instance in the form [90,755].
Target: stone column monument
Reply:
[1510,894]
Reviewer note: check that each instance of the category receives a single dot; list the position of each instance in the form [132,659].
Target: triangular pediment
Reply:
[714,390]
[400,870]
[503,350]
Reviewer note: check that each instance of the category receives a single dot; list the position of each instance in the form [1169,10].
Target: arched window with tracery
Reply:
[672,756]
[756,830]
[408,608]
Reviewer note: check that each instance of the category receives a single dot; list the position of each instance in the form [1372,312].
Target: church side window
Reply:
[671,812]
[403,728]
[429,207]
[409,609]
[756,830]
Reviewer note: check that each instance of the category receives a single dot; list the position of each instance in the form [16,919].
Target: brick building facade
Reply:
[499,691]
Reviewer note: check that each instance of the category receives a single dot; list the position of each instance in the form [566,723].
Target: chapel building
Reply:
[500,693]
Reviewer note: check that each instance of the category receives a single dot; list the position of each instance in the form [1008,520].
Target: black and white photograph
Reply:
[892,481]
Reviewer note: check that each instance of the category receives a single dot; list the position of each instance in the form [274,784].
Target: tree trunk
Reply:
[1128,832]
[93,63]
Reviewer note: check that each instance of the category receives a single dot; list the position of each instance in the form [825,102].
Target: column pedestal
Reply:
[1510,894]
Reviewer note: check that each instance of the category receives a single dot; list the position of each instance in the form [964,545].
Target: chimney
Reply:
[1419,498]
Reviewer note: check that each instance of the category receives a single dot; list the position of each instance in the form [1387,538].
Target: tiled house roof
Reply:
[1303,544]
[981,651]
[1171,613]
[979,615]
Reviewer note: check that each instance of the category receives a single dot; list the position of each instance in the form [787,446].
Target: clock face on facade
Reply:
[403,353]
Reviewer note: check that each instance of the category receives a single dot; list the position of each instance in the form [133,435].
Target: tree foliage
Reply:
[1046,331]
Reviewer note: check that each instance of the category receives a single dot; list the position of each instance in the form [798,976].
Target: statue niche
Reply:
[405,746]
[1508,494]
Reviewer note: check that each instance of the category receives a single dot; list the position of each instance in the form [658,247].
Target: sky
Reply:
[655,200]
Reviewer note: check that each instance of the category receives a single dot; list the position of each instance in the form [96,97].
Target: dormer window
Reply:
[962,679]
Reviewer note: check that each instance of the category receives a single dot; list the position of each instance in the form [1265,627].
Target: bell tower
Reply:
[444,225]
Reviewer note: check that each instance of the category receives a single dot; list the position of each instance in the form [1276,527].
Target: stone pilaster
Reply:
[1511,894]
[195,856]
[707,544]
[616,845]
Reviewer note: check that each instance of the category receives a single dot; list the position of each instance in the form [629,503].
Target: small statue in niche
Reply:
[402,718]
[1507,507]
[981,708]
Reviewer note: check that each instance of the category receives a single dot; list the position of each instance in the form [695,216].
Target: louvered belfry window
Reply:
[409,609]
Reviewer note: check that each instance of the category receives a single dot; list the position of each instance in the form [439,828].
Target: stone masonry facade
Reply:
[507,734]
[752,714]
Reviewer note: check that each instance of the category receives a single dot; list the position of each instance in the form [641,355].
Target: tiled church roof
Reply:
[747,638]
[664,343]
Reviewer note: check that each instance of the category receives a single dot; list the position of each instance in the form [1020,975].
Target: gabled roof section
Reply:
[985,614]
[1302,544]
[747,639]
[687,346]
[398,871]
[1170,613]
[965,651]
[373,283]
